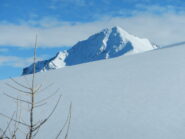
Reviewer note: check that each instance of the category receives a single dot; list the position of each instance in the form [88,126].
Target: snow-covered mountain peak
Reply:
[108,43]
[117,29]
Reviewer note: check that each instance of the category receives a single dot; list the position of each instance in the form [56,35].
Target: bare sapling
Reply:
[30,128]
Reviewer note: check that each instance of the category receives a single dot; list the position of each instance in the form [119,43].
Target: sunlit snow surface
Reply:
[108,43]
[139,96]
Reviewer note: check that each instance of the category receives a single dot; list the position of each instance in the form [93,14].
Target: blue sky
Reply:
[61,23]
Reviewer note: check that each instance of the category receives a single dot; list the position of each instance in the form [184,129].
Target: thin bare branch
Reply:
[18,118]
[69,123]
[4,133]
[31,130]
[48,97]
[60,132]
[37,127]
[34,63]
[22,91]
[46,119]
[1,131]
[54,107]
[26,80]
[20,84]
[17,98]
[1,114]
[38,89]
[48,86]
[40,105]
[36,132]
[5,138]
[19,129]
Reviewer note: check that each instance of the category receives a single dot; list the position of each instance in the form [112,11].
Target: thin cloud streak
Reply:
[15,61]
[160,29]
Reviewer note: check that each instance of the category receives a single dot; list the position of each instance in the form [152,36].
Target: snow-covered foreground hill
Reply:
[134,97]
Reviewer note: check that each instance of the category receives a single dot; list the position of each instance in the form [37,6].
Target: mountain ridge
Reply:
[108,43]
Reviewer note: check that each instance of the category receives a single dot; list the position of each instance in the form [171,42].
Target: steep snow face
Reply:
[53,63]
[106,44]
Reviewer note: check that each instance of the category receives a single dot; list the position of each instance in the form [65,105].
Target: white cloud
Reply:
[15,61]
[160,29]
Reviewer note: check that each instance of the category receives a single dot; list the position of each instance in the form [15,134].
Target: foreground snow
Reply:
[133,97]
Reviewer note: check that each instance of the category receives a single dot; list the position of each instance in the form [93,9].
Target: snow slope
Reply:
[128,97]
[106,44]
